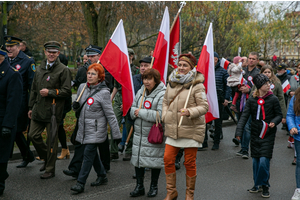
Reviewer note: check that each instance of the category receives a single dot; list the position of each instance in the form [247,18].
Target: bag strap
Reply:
[97,90]
[176,95]
[157,118]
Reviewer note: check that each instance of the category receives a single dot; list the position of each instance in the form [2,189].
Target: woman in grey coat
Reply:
[92,124]
[145,154]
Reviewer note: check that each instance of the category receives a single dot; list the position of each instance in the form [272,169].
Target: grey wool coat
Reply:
[145,154]
[92,124]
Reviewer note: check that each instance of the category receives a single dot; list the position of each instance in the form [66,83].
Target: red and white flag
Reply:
[224,63]
[206,66]
[175,43]
[161,51]
[286,86]
[115,59]
[264,130]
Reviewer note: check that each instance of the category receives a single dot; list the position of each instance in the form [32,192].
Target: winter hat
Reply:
[189,58]
[236,59]
[216,55]
[259,80]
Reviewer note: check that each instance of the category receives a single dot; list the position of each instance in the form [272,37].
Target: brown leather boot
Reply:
[190,187]
[171,187]
[64,153]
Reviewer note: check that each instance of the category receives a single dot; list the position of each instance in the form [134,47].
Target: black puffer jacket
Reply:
[261,147]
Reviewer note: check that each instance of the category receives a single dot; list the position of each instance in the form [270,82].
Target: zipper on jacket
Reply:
[96,124]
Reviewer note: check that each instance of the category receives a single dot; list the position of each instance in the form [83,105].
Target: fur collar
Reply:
[199,79]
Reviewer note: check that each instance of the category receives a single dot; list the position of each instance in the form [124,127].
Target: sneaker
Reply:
[245,155]
[296,195]
[255,189]
[265,193]
[215,147]
[236,141]
[240,153]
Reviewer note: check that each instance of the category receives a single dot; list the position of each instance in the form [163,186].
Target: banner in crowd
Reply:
[175,43]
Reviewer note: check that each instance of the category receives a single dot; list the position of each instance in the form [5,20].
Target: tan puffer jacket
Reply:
[192,127]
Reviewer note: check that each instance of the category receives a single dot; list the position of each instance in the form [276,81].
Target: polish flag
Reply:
[224,63]
[175,43]
[161,51]
[115,59]
[264,130]
[206,66]
[286,86]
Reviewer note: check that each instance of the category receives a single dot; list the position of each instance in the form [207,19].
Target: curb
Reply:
[17,155]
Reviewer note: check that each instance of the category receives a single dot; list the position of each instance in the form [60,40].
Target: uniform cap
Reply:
[93,50]
[11,40]
[52,46]
[131,51]
[3,50]
[281,66]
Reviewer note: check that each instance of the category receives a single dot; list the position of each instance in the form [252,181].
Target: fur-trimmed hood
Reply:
[199,79]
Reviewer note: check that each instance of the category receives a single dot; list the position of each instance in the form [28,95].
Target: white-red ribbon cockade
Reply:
[260,103]
[90,101]
[147,104]
[272,86]
[250,78]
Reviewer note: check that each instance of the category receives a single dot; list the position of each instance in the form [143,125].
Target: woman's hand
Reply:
[271,125]
[293,131]
[184,112]
[136,112]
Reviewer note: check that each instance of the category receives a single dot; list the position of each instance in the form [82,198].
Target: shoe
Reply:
[294,161]
[114,156]
[127,157]
[64,153]
[245,155]
[265,193]
[153,189]
[47,175]
[289,146]
[25,163]
[139,188]
[100,181]
[121,147]
[204,147]
[79,187]
[296,195]
[236,141]
[43,168]
[215,147]
[171,187]
[255,189]
[70,173]
[240,153]
[212,135]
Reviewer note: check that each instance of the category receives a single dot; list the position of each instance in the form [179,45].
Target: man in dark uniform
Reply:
[26,66]
[51,84]
[10,104]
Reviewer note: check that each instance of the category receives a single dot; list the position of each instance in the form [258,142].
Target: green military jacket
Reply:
[57,79]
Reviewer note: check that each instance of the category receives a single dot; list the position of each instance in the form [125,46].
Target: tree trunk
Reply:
[90,16]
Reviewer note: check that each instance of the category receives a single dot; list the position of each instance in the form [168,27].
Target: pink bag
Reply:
[156,132]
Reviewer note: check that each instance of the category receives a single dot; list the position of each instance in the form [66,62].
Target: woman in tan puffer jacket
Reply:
[191,133]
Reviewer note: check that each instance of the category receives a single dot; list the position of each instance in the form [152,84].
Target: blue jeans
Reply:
[245,140]
[261,171]
[297,148]
[90,158]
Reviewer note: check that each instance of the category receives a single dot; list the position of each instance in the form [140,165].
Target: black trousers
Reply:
[140,172]
[76,162]
[23,146]
[105,154]
[218,124]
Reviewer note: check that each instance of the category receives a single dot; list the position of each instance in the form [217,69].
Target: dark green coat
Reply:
[57,77]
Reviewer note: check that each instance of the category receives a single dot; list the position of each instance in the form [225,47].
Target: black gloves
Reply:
[117,141]
[75,105]
[6,132]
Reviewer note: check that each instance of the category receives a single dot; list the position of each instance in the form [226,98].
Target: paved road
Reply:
[221,175]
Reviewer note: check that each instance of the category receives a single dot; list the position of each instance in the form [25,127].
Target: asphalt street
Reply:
[221,175]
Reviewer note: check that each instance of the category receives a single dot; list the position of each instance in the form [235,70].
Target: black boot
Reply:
[154,180]
[178,158]
[101,180]
[79,187]
[139,189]
[3,176]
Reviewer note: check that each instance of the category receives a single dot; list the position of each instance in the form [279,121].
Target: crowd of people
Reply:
[37,97]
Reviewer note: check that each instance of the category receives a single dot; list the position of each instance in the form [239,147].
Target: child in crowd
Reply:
[265,111]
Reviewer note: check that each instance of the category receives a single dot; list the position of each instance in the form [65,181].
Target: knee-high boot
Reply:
[171,187]
[154,181]
[190,187]
[139,188]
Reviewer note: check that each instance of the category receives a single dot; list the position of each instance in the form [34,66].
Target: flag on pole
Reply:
[175,43]
[224,63]
[286,86]
[161,51]
[115,59]
[207,67]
